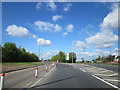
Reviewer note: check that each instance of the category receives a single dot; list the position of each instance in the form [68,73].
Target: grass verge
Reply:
[12,66]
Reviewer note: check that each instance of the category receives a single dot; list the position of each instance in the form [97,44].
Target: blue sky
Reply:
[82,27]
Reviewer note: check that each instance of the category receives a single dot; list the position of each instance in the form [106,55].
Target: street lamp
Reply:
[39,50]
[72,53]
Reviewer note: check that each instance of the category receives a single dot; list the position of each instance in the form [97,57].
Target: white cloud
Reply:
[69,28]
[52,52]
[67,7]
[104,39]
[51,6]
[97,50]
[34,36]
[117,49]
[56,17]
[46,26]
[87,56]
[88,30]
[43,42]
[49,54]
[65,33]
[111,20]
[39,5]
[17,31]
[79,45]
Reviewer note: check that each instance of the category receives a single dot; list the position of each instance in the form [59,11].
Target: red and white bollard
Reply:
[36,72]
[46,68]
[2,81]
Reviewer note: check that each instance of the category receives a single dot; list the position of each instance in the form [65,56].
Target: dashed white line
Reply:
[83,70]
[106,82]
[42,77]
[74,66]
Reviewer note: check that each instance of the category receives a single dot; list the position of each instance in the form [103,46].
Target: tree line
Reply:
[105,59]
[61,57]
[11,53]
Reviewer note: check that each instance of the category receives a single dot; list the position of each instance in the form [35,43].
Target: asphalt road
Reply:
[58,76]
[109,67]
[66,76]
[23,78]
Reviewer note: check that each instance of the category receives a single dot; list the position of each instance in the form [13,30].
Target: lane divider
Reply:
[42,78]
[106,82]
[46,68]
[2,81]
[36,72]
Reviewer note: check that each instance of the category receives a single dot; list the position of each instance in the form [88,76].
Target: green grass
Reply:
[22,63]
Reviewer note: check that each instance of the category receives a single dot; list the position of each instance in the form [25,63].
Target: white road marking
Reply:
[106,82]
[28,84]
[112,80]
[107,75]
[42,77]
[74,66]
[83,70]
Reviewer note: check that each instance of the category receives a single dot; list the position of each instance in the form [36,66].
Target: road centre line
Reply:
[42,77]
[106,82]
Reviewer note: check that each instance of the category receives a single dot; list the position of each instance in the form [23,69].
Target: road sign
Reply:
[67,56]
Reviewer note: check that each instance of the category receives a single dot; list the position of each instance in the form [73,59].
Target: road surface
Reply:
[59,76]
[109,67]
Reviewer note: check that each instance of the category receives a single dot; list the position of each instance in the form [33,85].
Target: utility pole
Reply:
[72,53]
[72,57]
[39,51]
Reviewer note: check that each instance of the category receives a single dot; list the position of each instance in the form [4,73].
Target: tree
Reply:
[72,56]
[10,53]
[61,57]
[82,60]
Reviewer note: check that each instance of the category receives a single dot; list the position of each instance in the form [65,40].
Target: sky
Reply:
[89,29]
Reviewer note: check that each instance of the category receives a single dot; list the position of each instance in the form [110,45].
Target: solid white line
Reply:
[106,82]
[42,77]
[107,75]
[83,70]
[112,80]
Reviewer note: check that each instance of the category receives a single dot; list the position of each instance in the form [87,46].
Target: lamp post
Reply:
[72,53]
[39,50]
